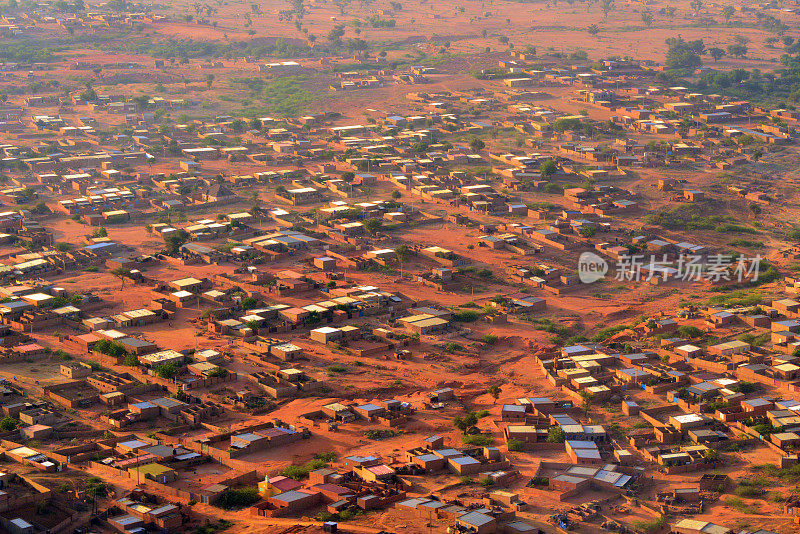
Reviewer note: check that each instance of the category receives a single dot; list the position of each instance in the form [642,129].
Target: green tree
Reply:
[175,240]
[683,54]
[141,102]
[465,422]
[689,332]
[167,371]
[593,29]
[373,225]
[548,168]
[716,53]
[607,6]
[89,95]
[494,391]
[587,401]
[555,434]
[403,253]
[121,273]
[8,423]
[737,49]
[727,12]
[477,144]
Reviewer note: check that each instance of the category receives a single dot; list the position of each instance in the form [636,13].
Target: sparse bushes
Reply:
[466,316]
[689,332]
[651,526]
[380,434]
[111,348]
[607,333]
[299,472]
[478,440]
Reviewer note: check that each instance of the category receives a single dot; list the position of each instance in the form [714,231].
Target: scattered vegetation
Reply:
[379,434]
[477,440]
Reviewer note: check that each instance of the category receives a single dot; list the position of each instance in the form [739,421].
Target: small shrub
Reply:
[490,339]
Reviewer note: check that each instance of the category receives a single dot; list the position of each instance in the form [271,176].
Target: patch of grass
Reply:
[285,96]
[212,528]
[776,497]
[478,440]
[753,339]
[736,298]
[686,217]
[786,474]
[729,228]
[746,243]
[653,525]
[747,491]
[740,506]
